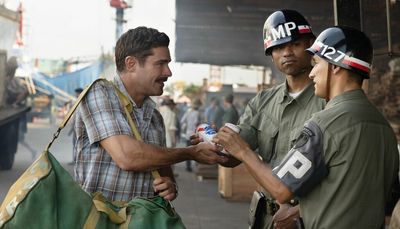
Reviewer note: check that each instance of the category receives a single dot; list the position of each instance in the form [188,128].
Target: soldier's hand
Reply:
[231,142]
[286,216]
[208,153]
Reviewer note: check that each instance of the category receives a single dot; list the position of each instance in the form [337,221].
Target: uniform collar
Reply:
[302,99]
[147,101]
[348,95]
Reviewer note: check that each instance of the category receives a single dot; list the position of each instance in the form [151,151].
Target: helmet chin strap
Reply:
[328,82]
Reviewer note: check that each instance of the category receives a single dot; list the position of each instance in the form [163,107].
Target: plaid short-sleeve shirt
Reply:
[100,116]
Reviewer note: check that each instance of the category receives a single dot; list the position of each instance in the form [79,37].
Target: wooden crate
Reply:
[236,184]
[203,171]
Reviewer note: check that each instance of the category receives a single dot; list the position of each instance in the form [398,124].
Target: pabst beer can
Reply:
[206,132]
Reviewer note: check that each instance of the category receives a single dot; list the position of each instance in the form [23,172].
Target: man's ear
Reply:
[130,63]
[336,69]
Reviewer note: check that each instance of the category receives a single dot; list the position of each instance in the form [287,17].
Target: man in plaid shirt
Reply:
[109,158]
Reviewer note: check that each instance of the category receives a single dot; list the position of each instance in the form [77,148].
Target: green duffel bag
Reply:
[47,197]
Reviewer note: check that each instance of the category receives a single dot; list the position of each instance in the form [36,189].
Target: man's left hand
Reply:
[165,188]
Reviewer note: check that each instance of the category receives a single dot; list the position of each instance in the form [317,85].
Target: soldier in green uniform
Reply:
[274,117]
[344,164]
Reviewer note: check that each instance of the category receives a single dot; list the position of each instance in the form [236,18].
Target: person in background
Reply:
[344,164]
[167,111]
[16,95]
[242,106]
[180,109]
[209,111]
[217,115]
[231,114]
[189,122]
[16,92]
[110,159]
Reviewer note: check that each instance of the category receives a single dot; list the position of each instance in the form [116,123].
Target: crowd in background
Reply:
[181,119]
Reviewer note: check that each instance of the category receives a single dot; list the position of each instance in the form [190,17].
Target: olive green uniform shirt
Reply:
[361,156]
[272,120]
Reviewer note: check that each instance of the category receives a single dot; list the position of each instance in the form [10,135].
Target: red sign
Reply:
[120,4]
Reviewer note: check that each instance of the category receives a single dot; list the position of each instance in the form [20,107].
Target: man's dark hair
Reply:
[138,42]
[357,78]
[229,98]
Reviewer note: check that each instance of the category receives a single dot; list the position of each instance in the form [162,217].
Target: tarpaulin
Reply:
[68,82]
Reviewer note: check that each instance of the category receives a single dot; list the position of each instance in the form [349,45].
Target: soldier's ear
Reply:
[131,63]
[335,68]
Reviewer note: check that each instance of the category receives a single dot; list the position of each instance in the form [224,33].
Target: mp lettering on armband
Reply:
[304,167]
[297,165]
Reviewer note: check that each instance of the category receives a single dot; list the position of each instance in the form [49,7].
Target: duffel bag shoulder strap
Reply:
[71,112]
[128,108]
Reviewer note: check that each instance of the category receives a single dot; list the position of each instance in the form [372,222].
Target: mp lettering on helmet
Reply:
[297,165]
[283,31]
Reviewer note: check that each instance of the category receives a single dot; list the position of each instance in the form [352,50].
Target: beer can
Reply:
[206,132]
[232,127]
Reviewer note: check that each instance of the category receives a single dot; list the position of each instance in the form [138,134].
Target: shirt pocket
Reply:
[267,132]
